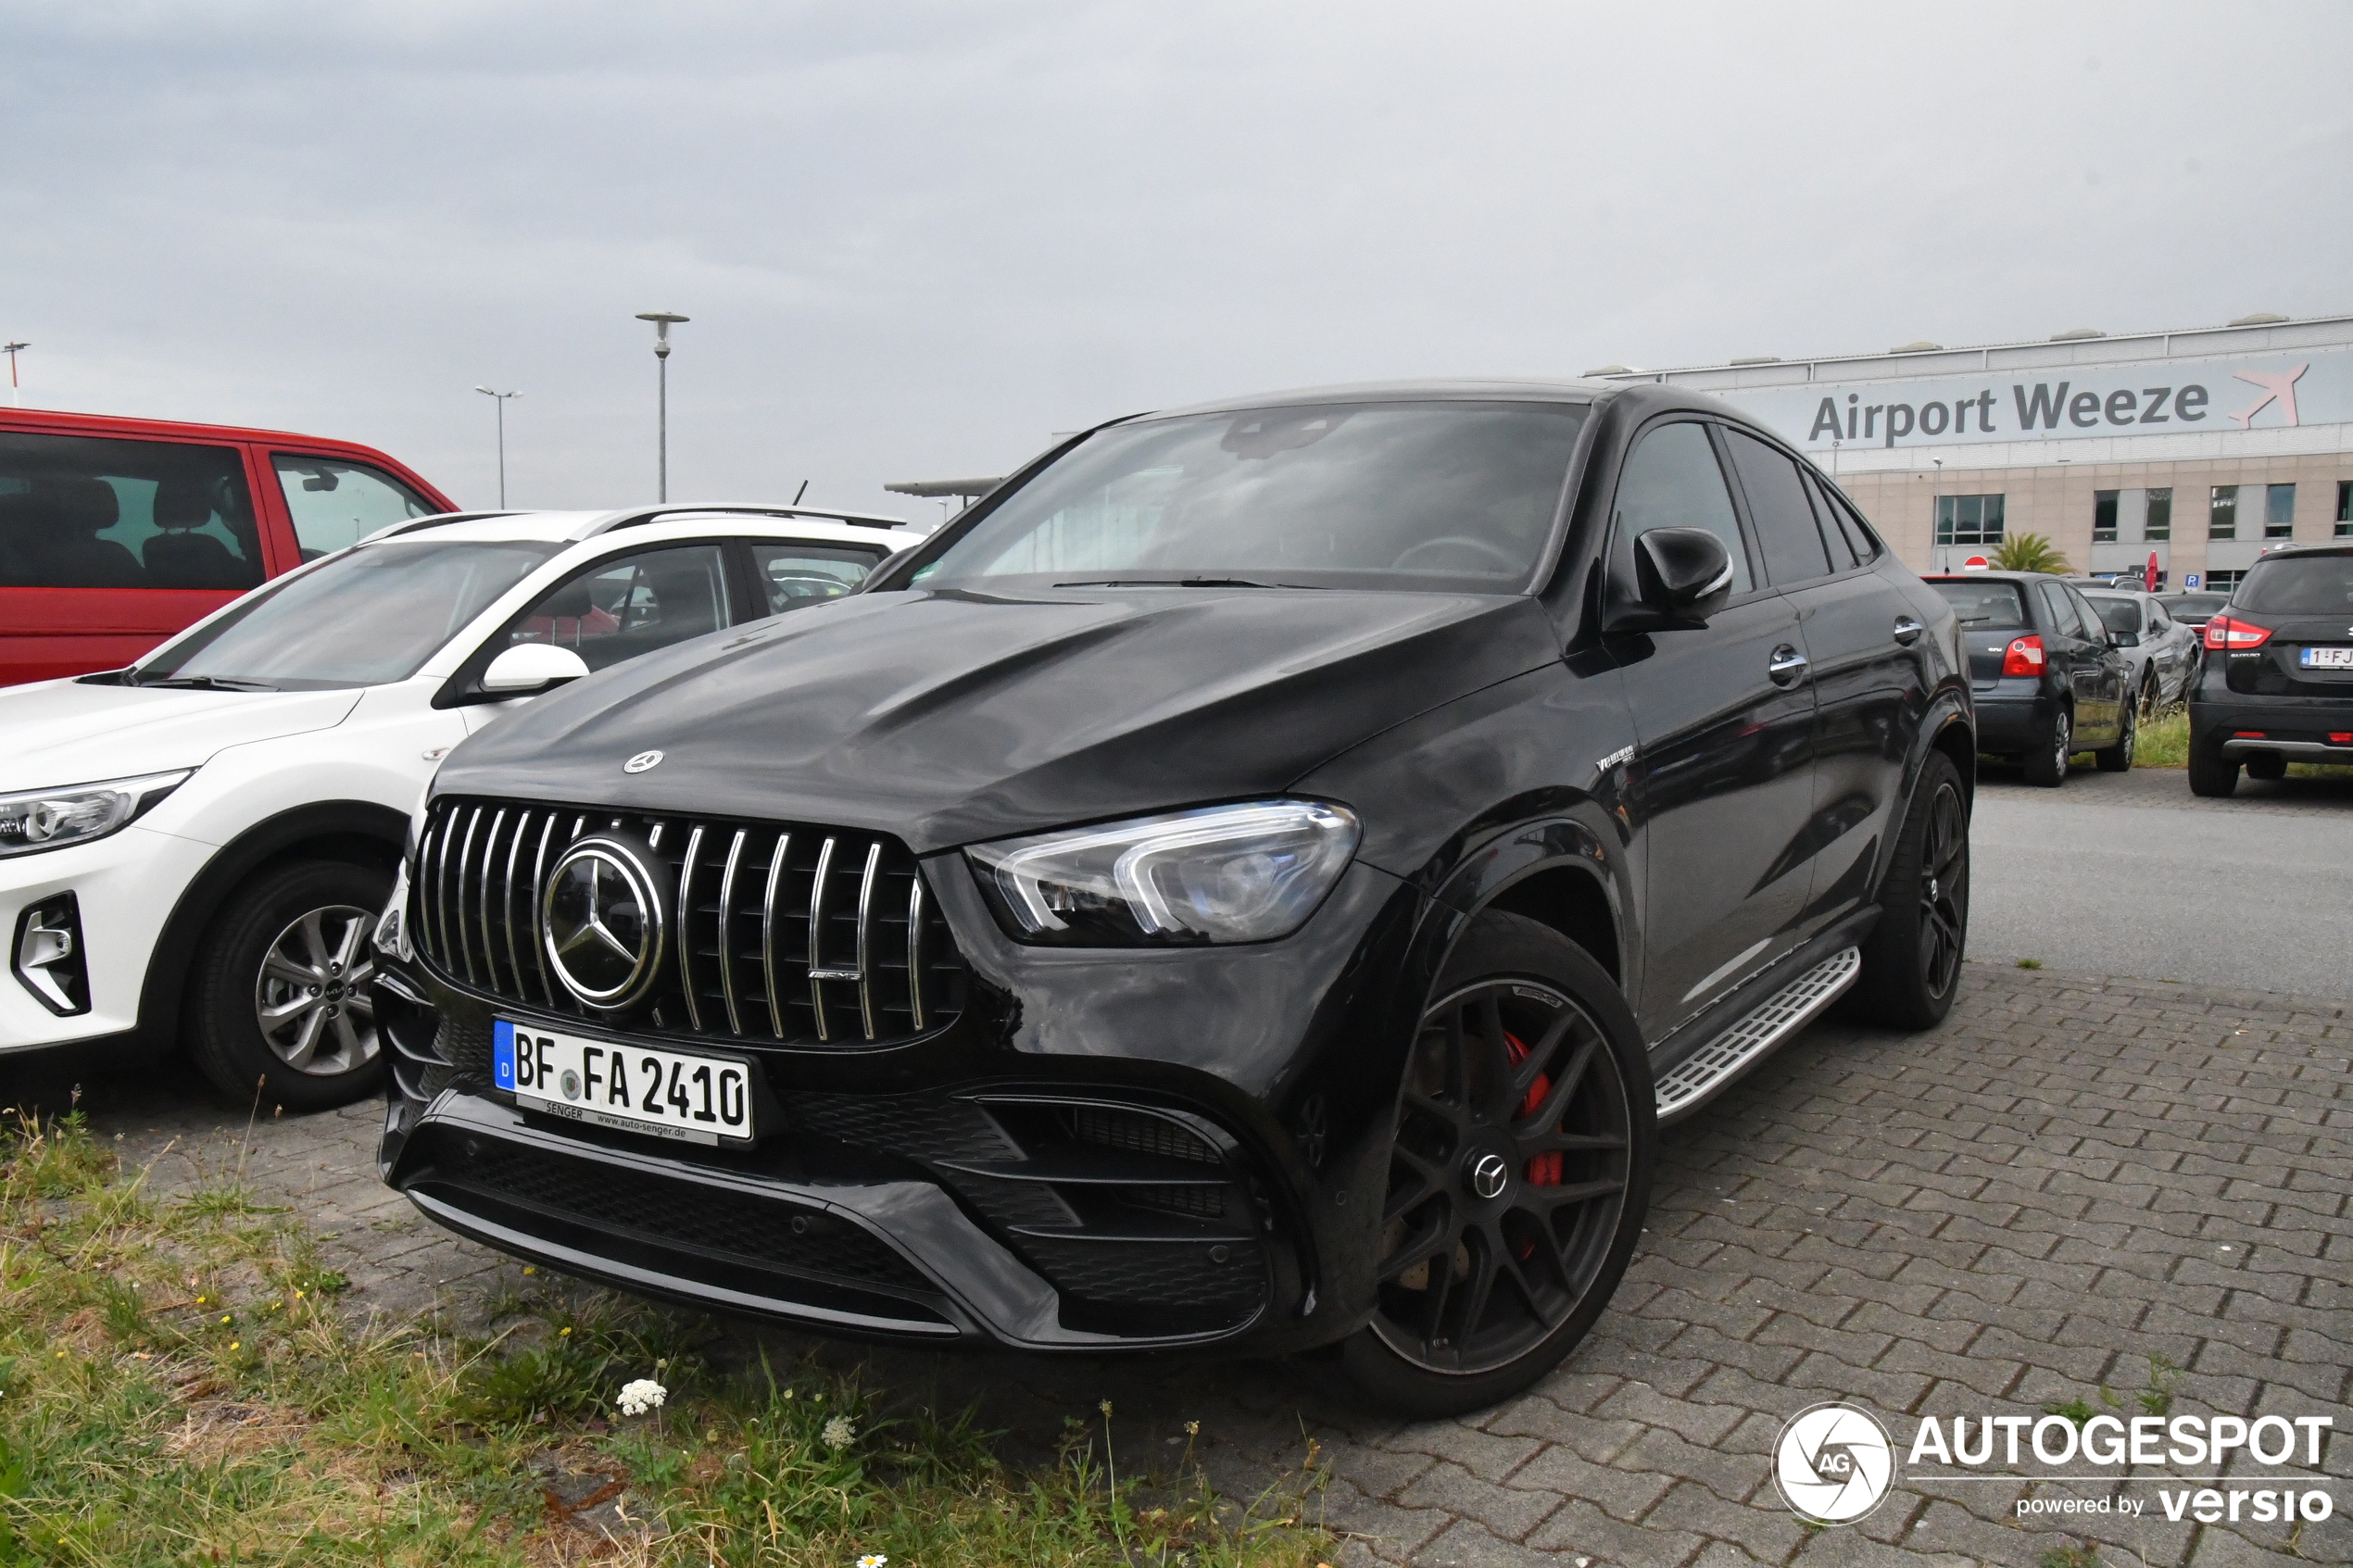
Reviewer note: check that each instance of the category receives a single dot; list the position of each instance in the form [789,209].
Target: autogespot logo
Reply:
[1834,1464]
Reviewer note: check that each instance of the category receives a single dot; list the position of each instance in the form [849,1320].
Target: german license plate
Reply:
[2328,659]
[642,1088]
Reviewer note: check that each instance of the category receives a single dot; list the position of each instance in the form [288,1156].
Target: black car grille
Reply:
[760,1232]
[781,931]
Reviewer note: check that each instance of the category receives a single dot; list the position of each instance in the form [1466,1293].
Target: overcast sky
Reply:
[916,240]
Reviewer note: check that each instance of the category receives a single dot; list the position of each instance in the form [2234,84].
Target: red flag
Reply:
[2150,579]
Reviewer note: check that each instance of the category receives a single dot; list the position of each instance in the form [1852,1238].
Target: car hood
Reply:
[66,732]
[949,717]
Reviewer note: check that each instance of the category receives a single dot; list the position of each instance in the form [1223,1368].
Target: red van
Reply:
[117,533]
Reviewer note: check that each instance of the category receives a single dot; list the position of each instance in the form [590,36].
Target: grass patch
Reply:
[177,1387]
[2164,740]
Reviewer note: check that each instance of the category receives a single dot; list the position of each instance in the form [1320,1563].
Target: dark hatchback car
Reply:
[2276,686]
[2045,670]
[1256,879]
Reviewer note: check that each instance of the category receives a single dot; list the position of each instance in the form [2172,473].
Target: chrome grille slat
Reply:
[465,855]
[916,950]
[685,937]
[482,855]
[490,853]
[728,931]
[865,919]
[768,933]
[507,897]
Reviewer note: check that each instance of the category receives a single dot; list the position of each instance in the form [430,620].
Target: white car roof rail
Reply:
[434,521]
[633,516]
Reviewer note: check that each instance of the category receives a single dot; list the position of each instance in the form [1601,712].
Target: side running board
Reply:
[1717,1063]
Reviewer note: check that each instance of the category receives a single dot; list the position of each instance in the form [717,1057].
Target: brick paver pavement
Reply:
[2071,1176]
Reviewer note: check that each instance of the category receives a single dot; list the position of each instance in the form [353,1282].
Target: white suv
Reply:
[196,847]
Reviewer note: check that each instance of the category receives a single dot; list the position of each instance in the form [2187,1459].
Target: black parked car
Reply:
[2047,674]
[1257,879]
[2193,610]
[2277,682]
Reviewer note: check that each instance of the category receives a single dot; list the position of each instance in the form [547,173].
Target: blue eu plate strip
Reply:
[502,1053]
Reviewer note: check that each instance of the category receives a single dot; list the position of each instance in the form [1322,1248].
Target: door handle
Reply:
[1787,667]
[1907,630]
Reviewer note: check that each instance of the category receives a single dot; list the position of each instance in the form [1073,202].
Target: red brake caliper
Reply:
[1543,1170]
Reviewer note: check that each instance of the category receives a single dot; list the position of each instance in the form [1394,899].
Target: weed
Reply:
[181,1387]
[2029,964]
[2084,1555]
[2158,1398]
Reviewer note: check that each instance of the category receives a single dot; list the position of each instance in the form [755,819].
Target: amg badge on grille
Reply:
[642,761]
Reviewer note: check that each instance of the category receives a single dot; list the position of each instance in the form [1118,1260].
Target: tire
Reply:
[278,1002]
[2118,758]
[2152,696]
[2268,766]
[2210,773]
[1912,959]
[2046,759]
[1528,1072]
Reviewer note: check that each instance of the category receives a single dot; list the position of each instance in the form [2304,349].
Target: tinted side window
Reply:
[2056,611]
[1840,522]
[617,609]
[335,502]
[1672,481]
[791,574]
[79,511]
[1786,532]
[2088,624]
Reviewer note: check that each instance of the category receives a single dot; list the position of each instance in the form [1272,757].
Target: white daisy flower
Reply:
[872,1560]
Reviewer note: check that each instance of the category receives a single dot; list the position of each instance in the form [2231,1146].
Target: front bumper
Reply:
[124,886]
[1101,1152]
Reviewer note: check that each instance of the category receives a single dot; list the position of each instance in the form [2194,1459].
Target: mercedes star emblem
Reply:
[601,922]
[1488,1175]
[642,761]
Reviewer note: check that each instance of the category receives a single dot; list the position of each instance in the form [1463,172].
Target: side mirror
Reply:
[1683,574]
[2124,639]
[530,668]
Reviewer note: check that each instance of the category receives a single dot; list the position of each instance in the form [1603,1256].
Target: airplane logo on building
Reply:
[2280,389]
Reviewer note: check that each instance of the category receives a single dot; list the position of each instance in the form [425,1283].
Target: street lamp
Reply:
[661,321]
[11,350]
[500,399]
[1936,512]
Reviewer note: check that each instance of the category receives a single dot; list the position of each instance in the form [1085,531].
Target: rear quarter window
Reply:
[1985,604]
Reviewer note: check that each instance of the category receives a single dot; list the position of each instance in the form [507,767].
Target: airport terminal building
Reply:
[2204,446]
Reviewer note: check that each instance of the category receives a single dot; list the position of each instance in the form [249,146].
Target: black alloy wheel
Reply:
[1912,959]
[2118,758]
[1519,1176]
[2047,763]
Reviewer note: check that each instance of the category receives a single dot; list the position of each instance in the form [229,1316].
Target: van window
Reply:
[79,511]
[336,502]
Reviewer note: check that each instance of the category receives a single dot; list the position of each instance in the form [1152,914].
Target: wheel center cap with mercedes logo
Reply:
[1488,1175]
[601,911]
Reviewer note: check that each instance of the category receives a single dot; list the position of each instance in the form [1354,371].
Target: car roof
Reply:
[829,524]
[1996,576]
[1490,390]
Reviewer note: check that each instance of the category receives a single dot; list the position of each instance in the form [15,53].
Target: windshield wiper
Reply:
[1182,583]
[210,684]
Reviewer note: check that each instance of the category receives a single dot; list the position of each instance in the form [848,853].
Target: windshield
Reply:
[1403,495]
[2299,585]
[363,619]
[2121,615]
[2196,607]
[1983,604]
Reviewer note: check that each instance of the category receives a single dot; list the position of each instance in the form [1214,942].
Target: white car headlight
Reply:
[1224,874]
[51,818]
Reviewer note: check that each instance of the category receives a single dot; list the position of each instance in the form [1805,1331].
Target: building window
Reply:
[1968,520]
[2222,513]
[2278,511]
[2222,582]
[2344,507]
[2103,517]
[2161,518]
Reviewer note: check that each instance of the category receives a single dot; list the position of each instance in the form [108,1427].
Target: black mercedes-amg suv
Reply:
[1259,877]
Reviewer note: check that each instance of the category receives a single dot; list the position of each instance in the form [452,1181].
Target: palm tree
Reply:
[2030,552]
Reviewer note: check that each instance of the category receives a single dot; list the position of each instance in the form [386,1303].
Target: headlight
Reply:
[51,818]
[392,927]
[1224,874]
